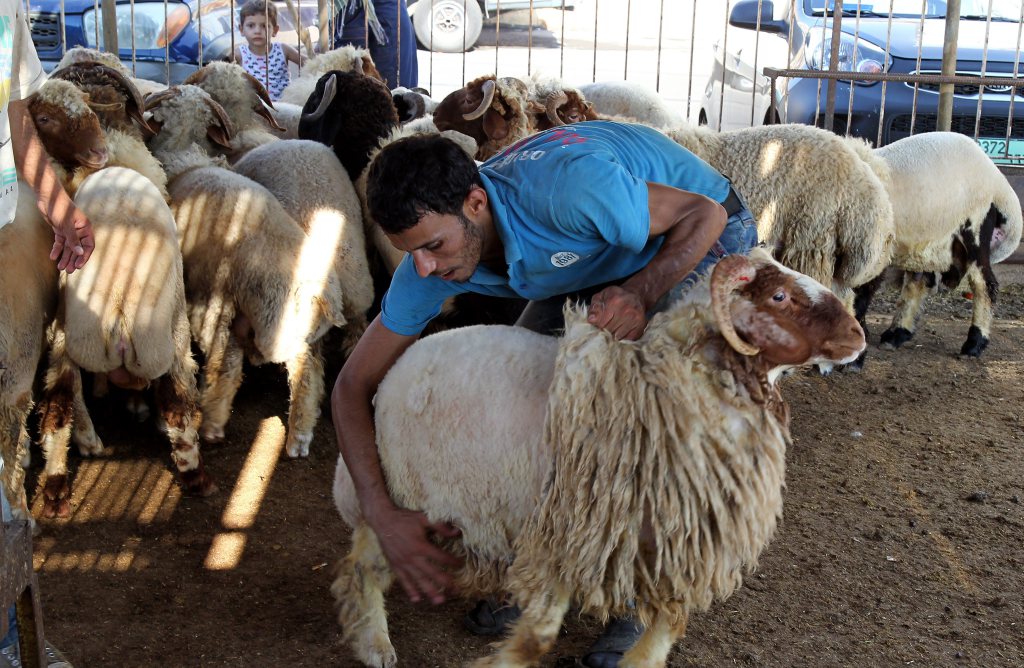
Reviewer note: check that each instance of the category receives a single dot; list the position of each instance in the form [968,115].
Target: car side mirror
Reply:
[744,15]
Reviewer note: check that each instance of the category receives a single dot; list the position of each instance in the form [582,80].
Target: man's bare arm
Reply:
[417,563]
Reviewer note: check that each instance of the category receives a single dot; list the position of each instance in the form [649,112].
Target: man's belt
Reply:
[732,203]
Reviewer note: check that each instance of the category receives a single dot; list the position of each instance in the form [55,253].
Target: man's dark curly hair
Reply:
[418,175]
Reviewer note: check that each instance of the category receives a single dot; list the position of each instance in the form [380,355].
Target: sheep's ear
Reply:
[495,125]
[780,340]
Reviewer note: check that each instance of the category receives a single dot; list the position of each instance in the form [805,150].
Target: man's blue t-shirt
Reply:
[570,207]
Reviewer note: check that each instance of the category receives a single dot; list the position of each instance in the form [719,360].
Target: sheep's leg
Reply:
[83,432]
[983,294]
[651,650]
[306,382]
[176,397]
[223,376]
[908,308]
[14,443]
[56,411]
[358,588]
[533,635]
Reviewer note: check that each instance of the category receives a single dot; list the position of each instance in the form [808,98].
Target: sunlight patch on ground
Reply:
[240,513]
[45,559]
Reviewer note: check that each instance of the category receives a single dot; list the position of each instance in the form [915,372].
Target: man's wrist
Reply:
[377,510]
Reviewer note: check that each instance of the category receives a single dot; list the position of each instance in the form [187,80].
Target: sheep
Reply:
[81,54]
[313,187]
[562,103]
[28,302]
[351,113]
[954,214]
[119,106]
[346,58]
[614,473]
[633,100]
[244,100]
[412,103]
[123,315]
[255,282]
[822,210]
[494,112]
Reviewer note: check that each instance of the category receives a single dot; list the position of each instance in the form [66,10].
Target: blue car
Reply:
[169,40]
[737,95]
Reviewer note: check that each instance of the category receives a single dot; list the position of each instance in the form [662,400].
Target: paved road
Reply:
[646,41]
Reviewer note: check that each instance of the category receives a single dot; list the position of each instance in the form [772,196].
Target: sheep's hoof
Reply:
[90,445]
[57,496]
[138,407]
[975,344]
[298,445]
[211,435]
[857,365]
[197,483]
[825,368]
[895,337]
[374,649]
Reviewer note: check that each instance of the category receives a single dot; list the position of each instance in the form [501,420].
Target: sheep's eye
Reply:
[43,119]
[779,296]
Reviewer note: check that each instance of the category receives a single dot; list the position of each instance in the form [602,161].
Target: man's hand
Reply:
[73,240]
[417,563]
[619,311]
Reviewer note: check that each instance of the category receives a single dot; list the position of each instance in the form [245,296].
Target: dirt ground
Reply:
[901,543]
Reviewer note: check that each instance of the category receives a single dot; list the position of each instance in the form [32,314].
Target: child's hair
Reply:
[259,8]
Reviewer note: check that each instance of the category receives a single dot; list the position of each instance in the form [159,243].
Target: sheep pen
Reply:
[900,539]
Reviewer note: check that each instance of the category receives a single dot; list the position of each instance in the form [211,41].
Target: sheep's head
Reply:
[114,98]
[351,113]
[789,319]
[241,94]
[412,103]
[494,112]
[346,58]
[81,54]
[185,115]
[68,128]
[564,107]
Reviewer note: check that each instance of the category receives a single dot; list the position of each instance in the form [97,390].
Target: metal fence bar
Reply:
[625,60]
[833,64]
[885,61]
[1013,98]
[945,113]
[984,67]
[917,66]
[725,44]
[693,39]
[853,88]
[757,45]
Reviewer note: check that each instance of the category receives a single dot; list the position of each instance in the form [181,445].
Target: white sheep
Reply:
[28,302]
[255,282]
[245,101]
[818,205]
[81,54]
[122,315]
[632,100]
[955,214]
[346,58]
[602,472]
[313,187]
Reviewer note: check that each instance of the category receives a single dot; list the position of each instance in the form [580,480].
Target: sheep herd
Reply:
[241,227]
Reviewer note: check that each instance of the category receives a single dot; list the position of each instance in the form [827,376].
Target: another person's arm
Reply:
[73,237]
[691,224]
[404,535]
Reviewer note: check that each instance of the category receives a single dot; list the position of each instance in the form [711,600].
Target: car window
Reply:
[1001,9]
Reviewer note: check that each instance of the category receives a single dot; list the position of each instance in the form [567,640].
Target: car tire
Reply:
[448,26]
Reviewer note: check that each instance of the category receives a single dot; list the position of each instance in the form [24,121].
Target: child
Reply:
[265,60]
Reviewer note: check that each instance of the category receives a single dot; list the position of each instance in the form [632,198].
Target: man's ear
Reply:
[476,200]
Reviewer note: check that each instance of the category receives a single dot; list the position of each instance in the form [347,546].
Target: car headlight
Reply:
[855,55]
[149,29]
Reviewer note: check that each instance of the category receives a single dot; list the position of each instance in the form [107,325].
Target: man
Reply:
[612,212]
[384,28]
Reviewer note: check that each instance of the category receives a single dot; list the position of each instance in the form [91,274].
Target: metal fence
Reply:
[881,70]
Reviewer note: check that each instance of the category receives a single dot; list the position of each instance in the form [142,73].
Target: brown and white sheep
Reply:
[256,283]
[608,473]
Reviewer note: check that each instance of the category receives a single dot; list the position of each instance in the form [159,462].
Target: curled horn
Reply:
[157,98]
[552,104]
[197,77]
[330,90]
[730,273]
[262,109]
[488,90]
[357,66]
[221,115]
[130,90]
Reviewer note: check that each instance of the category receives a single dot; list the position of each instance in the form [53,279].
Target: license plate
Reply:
[997,150]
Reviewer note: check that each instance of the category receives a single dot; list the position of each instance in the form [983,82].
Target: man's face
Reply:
[446,246]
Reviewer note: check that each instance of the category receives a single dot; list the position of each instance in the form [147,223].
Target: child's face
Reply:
[256,30]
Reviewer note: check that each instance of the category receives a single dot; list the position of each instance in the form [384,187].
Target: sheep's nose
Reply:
[99,155]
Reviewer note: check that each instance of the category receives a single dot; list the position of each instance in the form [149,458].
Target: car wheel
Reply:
[449,26]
